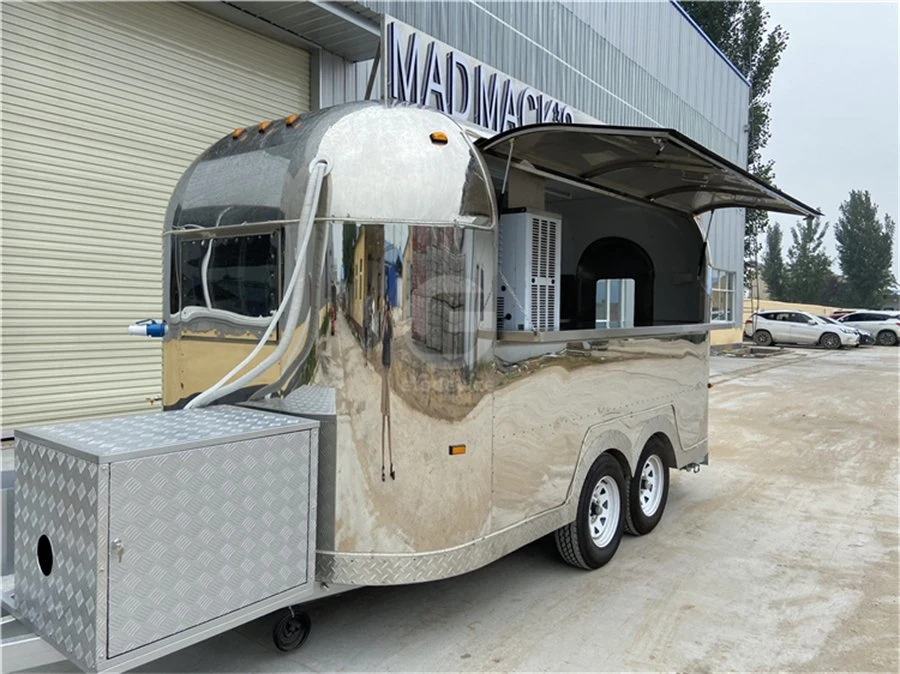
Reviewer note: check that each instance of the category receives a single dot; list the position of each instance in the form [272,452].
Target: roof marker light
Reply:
[237,132]
[290,119]
[438,138]
[264,125]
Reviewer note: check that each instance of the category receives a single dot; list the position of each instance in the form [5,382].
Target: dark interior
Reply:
[607,258]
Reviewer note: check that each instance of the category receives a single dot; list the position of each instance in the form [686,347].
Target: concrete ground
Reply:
[781,554]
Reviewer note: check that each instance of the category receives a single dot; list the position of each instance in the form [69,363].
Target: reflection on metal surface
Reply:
[403,281]
[384,168]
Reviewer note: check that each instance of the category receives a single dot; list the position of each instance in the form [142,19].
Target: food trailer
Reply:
[394,350]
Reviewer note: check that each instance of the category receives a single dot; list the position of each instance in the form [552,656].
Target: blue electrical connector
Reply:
[148,327]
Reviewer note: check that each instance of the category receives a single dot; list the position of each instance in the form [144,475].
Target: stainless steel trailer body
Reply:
[443,404]
[500,338]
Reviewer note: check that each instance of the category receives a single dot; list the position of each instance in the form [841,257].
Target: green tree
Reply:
[865,247]
[740,30]
[773,272]
[349,238]
[808,268]
[834,292]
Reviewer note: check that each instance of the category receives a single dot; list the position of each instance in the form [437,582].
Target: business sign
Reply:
[419,69]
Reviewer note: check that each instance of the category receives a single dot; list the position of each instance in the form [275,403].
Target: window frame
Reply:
[621,303]
[726,294]
[187,312]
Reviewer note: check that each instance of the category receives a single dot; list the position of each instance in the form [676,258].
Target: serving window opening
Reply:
[642,187]
[572,259]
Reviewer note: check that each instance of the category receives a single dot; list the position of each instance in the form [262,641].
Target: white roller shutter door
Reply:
[104,106]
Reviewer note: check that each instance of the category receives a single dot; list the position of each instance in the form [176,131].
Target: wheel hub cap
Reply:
[651,485]
[603,515]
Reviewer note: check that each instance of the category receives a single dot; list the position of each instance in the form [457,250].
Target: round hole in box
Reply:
[45,555]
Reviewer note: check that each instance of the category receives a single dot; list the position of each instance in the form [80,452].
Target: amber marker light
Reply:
[237,132]
[264,125]
[439,138]
[456,450]
[290,119]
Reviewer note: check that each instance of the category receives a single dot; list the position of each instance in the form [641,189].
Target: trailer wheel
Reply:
[593,538]
[648,490]
[291,631]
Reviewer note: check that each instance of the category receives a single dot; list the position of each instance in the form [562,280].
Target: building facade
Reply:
[106,104]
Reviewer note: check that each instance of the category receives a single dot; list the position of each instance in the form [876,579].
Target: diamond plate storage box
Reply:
[139,535]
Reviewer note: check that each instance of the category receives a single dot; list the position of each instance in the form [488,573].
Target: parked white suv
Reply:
[797,327]
[885,325]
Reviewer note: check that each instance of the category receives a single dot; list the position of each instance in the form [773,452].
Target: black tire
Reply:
[574,541]
[291,631]
[830,341]
[638,522]
[762,338]
[886,338]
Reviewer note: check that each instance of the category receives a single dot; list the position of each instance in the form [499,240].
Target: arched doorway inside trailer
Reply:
[615,284]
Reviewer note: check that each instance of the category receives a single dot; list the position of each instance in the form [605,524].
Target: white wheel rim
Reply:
[652,476]
[603,514]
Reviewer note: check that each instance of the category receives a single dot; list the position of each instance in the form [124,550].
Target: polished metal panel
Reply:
[205,532]
[61,496]
[119,438]
[415,567]
[442,384]
[432,183]
[537,444]
[430,391]
[384,167]
[410,362]
[366,144]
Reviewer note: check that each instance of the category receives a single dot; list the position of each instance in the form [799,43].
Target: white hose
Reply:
[204,266]
[307,217]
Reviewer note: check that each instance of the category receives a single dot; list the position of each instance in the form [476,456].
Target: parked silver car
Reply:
[865,337]
[885,325]
[797,327]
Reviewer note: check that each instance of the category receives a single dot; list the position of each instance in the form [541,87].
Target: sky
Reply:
[834,117]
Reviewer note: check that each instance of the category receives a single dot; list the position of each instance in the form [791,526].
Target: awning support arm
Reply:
[512,144]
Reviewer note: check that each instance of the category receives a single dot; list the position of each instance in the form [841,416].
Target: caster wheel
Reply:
[291,631]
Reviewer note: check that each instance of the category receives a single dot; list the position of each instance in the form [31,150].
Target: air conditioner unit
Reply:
[529,255]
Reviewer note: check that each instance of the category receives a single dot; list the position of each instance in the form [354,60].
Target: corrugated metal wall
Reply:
[104,106]
[341,81]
